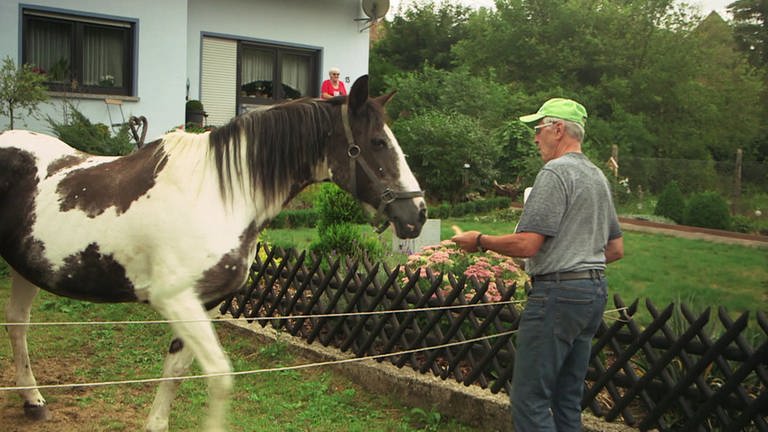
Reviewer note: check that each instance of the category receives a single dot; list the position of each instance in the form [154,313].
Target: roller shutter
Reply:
[218,82]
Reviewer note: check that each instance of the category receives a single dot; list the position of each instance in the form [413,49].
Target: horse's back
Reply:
[42,146]
[106,228]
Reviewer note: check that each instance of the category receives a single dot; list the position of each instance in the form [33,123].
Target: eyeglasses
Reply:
[335,74]
[538,128]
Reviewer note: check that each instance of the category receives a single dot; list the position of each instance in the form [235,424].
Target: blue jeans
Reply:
[553,348]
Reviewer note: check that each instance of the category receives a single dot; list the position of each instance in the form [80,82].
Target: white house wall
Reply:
[161,61]
[169,45]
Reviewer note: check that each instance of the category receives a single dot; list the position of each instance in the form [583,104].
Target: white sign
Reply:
[430,235]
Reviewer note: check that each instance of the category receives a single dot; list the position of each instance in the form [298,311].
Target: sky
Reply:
[705,6]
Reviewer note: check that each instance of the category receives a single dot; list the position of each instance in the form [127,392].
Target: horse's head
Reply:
[370,164]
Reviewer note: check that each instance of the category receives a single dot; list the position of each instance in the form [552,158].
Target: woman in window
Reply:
[333,86]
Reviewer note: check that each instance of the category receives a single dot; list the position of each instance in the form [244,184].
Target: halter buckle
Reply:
[388,196]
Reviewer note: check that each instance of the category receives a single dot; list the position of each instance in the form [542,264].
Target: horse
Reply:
[175,223]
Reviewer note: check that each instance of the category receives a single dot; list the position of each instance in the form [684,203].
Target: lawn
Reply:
[310,399]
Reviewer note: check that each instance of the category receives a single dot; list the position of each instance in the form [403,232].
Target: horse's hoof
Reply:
[37,412]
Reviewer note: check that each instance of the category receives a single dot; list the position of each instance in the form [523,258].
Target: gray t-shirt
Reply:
[570,205]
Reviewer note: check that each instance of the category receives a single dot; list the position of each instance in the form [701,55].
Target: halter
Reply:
[388,196]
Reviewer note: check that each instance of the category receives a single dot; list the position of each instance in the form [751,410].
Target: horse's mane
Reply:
[279,144]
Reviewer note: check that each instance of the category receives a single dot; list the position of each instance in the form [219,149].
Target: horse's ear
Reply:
[359,93]
[383,99]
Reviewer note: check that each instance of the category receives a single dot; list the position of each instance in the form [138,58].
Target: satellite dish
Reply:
[375,9]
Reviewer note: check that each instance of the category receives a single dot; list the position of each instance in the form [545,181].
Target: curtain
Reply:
[256,68]
[48,47]
[103,56]
[296,75]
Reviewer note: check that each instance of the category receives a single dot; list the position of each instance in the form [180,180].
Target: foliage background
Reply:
[660,82]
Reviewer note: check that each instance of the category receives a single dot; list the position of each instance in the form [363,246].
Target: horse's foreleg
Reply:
[177,364]
[199,340]
[17,311]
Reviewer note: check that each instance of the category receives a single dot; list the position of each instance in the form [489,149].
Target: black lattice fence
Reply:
[679,372]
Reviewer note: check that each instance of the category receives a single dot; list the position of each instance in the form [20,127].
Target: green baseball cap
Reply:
[565,109]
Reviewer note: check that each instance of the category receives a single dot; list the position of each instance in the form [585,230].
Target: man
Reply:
[569,231]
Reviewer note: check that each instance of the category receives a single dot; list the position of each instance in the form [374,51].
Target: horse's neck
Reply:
[245,201]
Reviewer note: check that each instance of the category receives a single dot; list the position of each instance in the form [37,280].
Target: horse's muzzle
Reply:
[407,218]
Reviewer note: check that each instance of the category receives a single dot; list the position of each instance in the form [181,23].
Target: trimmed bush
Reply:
[707,210]
[337,217]
[335,205]
[671,203]
[346,239]
[445,210]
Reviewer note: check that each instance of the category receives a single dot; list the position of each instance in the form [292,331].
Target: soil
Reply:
[72,409]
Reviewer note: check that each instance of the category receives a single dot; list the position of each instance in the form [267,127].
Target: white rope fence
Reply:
[285,317]
[268,370]
[255,371]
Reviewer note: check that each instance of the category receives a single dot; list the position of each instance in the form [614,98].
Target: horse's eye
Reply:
[379,143]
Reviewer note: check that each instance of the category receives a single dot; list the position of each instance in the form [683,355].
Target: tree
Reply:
[423,33]
[457,90]
[450,154]
[657,80]
[20,89]
[751,28]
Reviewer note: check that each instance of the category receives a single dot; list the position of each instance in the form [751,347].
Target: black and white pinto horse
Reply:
[175,223]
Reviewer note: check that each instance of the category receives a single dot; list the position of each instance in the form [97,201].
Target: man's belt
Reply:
[566,276]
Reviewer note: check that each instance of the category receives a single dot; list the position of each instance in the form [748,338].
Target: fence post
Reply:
[613,162]
[736,194]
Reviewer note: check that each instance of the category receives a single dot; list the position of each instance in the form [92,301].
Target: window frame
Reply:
[278,51]
[79,21]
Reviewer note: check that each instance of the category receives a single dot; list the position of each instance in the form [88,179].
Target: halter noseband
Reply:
[388,196]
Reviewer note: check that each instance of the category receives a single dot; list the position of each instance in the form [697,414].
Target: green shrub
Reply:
[440,211]
[194,105]
[707,210]
[445,210]
[77,131]
[5,271]
[671,203]
[335,205]
[743,224]
[337,217]
[346,239]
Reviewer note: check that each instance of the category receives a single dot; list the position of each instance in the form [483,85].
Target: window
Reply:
[269,73]
[80,53]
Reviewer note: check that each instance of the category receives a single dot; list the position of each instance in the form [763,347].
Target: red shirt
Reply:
[328,88]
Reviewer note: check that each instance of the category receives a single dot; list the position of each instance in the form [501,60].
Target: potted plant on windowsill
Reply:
[195,113]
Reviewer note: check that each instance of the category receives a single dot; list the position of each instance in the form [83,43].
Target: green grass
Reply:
[669,269]
[311,399]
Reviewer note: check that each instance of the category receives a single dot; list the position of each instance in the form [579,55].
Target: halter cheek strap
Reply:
[387,195]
